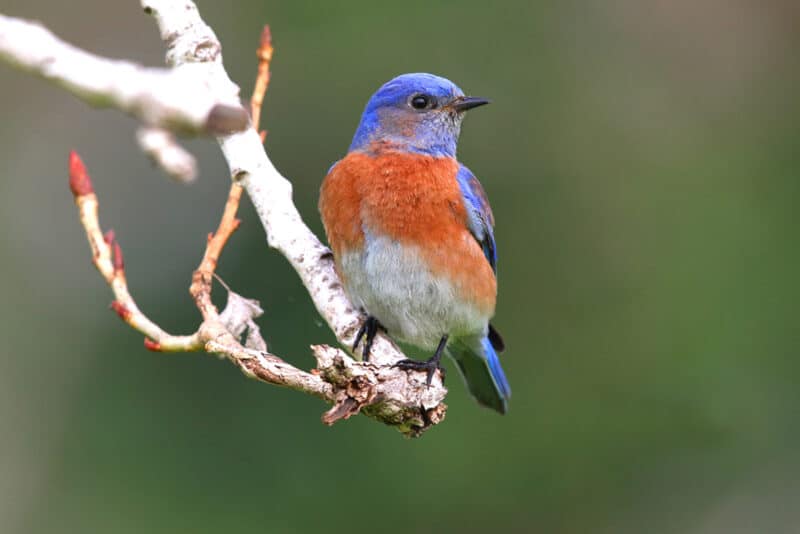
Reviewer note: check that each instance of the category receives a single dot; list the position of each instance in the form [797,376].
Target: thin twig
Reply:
[107,257]
[201,280]
[213,336]
[165,151]
[264,54]
[202,277]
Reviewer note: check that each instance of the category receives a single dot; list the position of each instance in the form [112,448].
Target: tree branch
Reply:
[264,54]
[380,392]
[396,397]
[162,147]
[176,99]
[107,257]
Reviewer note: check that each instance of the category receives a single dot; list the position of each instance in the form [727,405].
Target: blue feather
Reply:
[496,369]
[480,217]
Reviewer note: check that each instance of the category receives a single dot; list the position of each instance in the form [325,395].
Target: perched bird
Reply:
[412,232]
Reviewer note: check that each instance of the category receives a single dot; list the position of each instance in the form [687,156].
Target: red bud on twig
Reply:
[79,181]
[264,51]
[119,263]
[123,312]
[151,345]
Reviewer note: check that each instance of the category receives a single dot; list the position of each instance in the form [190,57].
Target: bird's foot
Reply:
[369,327]
[430,366]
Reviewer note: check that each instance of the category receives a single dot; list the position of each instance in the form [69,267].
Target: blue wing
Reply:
[479,214]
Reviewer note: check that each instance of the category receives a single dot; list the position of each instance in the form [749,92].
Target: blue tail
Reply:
[480,367]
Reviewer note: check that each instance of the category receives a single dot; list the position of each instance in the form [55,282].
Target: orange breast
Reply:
[412,199]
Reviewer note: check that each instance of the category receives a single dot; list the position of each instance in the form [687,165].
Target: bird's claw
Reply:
[370,328]
[430,367]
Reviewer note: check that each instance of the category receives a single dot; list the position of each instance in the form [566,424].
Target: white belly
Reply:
[393,284]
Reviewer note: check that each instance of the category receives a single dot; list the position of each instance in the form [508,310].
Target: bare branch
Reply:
[202,277]
[177,99]
[380,392]
[264,54]
[107,257]
[214,334]
[162,147]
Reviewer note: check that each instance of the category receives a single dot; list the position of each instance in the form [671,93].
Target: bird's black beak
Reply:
[463,103]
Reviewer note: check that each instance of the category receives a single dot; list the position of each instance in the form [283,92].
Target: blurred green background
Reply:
[641,158]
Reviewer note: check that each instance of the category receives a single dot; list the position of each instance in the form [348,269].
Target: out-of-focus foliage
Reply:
[642,161]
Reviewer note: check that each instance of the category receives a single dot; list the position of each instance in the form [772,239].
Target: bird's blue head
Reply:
[417,112]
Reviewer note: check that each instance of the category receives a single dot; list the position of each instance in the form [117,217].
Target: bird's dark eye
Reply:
[422,101]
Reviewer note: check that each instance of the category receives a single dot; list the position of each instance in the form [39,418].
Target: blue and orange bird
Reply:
[412,232]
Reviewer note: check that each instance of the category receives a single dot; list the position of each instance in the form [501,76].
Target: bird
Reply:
[412,233]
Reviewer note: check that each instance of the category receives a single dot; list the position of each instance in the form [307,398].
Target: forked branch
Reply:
[396,397]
